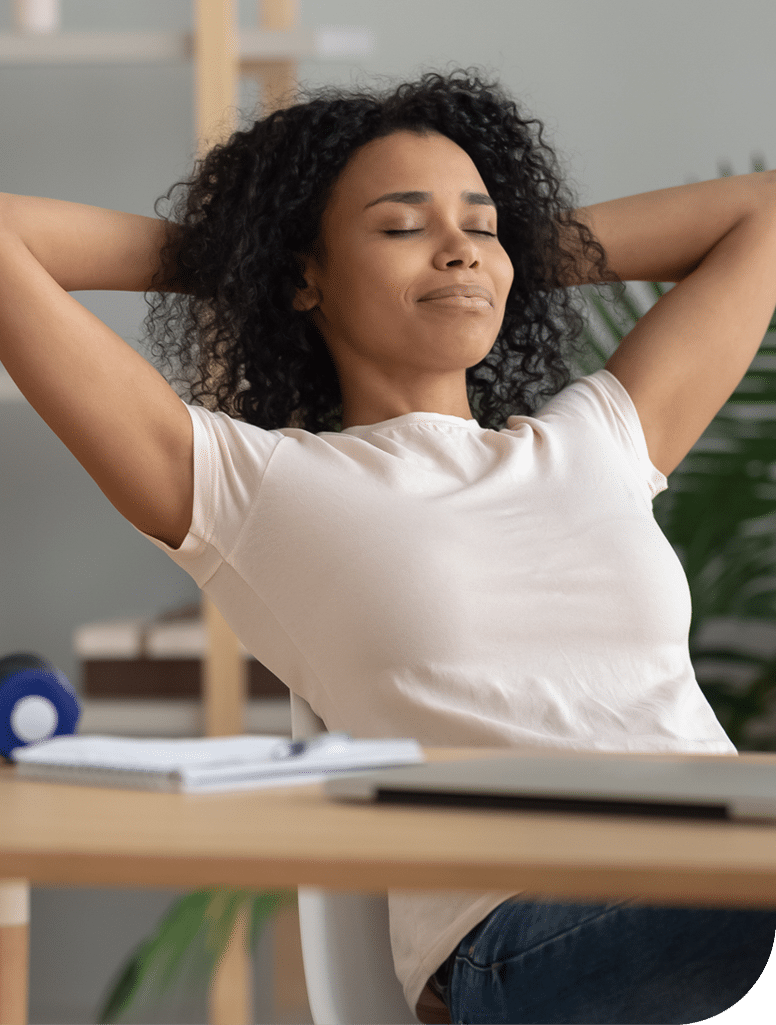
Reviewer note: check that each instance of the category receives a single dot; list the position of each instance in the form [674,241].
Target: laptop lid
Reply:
[722,787]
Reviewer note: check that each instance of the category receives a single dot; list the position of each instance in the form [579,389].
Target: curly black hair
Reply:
[255,202]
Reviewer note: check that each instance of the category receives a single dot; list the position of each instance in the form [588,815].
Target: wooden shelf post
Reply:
[277,79]
[224,694]
[230,995]
[14,951]
[216,91]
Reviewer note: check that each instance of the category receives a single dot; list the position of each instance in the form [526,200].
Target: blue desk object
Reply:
[37,702]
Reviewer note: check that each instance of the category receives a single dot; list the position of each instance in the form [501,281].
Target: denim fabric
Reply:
[605,964]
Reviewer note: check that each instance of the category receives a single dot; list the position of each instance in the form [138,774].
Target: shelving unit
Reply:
[221,53]
[267,53]
[253,44]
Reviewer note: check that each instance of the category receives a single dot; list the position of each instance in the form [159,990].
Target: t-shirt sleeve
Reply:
[230,458]
[602,400]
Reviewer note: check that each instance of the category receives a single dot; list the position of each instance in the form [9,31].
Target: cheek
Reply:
[378,285]
[366,298]
[507,272]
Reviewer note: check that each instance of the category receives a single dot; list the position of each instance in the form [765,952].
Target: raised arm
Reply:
[87,248]
[664,235]
[113,410]
[687,354]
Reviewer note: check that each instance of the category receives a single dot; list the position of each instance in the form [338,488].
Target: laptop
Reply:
[721,787]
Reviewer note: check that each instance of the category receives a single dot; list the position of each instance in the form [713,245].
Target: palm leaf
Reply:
[719,514]
[188,943]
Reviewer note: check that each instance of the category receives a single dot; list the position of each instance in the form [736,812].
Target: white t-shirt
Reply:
[428,578]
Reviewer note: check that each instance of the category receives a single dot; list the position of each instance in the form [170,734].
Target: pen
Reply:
[333,743]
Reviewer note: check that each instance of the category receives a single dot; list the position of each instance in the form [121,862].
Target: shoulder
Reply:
[226,432]
[599,405]
[597,397]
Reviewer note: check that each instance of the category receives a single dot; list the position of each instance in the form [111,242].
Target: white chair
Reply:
[346,947]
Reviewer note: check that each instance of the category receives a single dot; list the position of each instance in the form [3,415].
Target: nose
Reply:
[458,248]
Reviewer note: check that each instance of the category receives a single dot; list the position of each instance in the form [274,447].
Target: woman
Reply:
[386,481]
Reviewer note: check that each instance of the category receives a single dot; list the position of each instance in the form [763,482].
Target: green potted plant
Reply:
[719,514]
[188,944]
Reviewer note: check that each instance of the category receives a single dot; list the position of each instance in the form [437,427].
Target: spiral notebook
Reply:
[207,763]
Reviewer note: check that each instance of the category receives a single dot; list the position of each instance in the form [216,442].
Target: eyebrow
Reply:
[473,198]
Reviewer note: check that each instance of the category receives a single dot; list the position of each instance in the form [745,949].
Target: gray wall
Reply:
[636,97]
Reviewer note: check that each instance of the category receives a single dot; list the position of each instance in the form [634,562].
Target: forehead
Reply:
[405,161]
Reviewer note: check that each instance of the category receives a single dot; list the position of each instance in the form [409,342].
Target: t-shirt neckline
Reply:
[409,418]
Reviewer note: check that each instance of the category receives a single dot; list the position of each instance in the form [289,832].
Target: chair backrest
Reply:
[346,946]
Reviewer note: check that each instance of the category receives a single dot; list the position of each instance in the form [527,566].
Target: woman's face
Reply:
[395,349]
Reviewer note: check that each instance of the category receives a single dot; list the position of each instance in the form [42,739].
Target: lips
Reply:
[473,291]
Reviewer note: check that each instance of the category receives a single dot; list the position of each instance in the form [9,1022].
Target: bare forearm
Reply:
[664,235]
[86,247]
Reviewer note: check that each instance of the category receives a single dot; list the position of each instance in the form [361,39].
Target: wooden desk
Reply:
[57,834]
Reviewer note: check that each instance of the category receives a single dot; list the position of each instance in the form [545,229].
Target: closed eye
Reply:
[411,231]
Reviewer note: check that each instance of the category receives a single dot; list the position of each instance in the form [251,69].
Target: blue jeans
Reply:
[605,964]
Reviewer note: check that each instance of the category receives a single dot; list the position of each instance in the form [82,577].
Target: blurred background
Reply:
[634,97]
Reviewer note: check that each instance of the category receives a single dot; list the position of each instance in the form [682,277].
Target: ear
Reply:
[309,297]
[306,299]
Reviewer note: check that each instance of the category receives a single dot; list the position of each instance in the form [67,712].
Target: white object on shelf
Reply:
[186,639]
[314,44]
[141,637]
[115,638]
[173,47]
[37,15]
[344,41]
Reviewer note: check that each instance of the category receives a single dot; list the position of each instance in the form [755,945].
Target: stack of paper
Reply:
[210,763]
